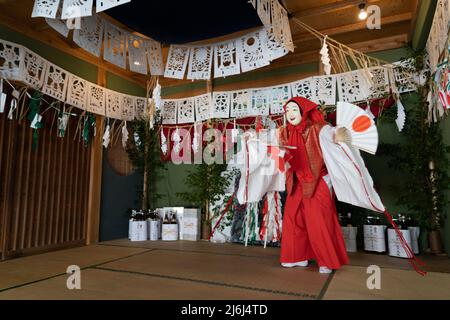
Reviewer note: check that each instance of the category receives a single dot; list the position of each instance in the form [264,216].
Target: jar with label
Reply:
[374,235]
[395,246]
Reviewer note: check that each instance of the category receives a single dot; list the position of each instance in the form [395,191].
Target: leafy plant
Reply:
[207,183]
[423,157]
[145,156]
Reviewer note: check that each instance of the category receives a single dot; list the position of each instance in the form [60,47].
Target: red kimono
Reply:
[311,229]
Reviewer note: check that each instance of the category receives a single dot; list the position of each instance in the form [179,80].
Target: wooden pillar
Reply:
[95,175]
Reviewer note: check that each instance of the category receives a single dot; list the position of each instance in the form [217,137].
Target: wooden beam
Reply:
[95,176]
[306,36]
[331,7]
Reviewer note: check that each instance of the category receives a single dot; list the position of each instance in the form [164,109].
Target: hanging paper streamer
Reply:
[89,123]
[35,117]
[107,136]
[157,96]
[58,25]
[164,148]
[63,121]
[137,140]
[2,97]
[401,116]
[272,220]
[12,108]
[124,135]
[325,57]
[176,140]
[196,141]
[250,228]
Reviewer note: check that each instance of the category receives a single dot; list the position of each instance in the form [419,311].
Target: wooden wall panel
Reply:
[44,192]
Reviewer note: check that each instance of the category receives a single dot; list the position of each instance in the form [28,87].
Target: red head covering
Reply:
[310,115]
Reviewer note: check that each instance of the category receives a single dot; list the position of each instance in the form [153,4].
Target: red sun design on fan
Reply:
[361,124]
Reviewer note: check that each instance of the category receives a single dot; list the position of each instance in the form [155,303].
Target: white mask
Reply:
[293,114]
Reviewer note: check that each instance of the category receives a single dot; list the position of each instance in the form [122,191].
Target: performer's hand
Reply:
[343,135]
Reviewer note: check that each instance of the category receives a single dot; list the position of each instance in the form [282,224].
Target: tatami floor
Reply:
[201,270]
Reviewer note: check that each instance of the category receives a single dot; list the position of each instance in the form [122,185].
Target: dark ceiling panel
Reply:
[186,21]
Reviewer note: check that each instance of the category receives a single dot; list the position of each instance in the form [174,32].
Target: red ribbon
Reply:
[224,212]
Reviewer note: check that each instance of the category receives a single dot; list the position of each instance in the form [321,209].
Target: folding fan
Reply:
[362,127]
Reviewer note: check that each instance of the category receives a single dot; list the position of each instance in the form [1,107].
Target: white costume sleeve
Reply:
[263,173]
[351,180]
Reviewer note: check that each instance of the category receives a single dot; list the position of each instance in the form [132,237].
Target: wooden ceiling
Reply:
[336,18]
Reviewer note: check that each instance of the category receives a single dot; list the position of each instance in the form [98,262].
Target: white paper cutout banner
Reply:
[72,8]
[21,64]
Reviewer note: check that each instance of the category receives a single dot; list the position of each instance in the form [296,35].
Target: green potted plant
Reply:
[207,183]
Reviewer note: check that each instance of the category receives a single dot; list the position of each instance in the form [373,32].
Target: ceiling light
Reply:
[137,63]
[362,12]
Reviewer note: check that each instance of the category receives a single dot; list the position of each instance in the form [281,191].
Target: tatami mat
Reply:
[350,283]
[201,246]
[235,270]
[105,285]
[28,269]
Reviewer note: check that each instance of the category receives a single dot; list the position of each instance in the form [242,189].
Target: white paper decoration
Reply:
[379,84]
[113,104]
[59,26]
[141,108]
[169,112]
[281,26]
[77,91]
[226,59]
[302,88]
[404,77]
[137,54]
[240,104]
[55,84]
[260,102]
[45,8]
[264,9]
[186,110]
[103,5]
[203,107]
[177,62]
[128,107]
[115,45]
[90,35]
[252,50]
[352,87]
[11,56]
[280,95]
[76,9]
[200,63]
[323,89]
[96,99]
[155,60]
[275,48]
[33,70]
[221,105]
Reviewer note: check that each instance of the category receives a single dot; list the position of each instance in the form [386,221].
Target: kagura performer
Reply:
[311,229]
